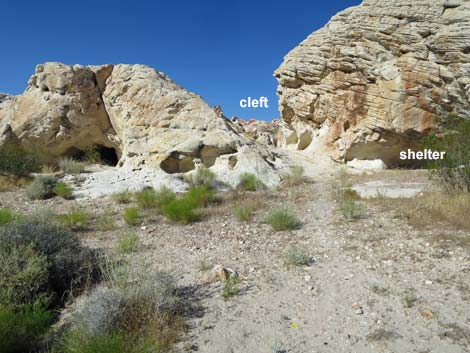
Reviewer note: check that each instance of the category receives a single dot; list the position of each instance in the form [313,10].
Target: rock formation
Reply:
[376,78]
[134,111]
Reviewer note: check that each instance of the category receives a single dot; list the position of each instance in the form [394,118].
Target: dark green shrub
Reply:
[6,216]
[250,182]
[231,288]
[199,196]
[63,190]
[147,198]
[41,188]
[23,275]
[282,219]
[70,265]
[181,211]
[22,328]
[164,196]
[17,161]
[453,172]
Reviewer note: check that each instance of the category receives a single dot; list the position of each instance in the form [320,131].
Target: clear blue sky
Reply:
[222,50]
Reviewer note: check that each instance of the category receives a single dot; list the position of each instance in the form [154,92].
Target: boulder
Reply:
[376,79]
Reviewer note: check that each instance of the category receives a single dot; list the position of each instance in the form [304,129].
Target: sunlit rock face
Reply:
[376,78]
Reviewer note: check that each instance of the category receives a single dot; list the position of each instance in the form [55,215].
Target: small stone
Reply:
[308,278]
[427,314]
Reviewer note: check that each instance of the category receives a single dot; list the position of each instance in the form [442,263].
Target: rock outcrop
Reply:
[134,111]
[376,78]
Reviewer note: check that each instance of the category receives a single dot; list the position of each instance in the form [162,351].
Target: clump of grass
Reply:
[41,188]
[297,256]
[71,166]
[181,211]
[22,329]
[243,213]
[410,299]
[106,221]
[147,198]
[202,176]
[131,215]
[63,190]
[127,243]
[76,219]
[123,197]
[231,287]
[294,177]
[282,219]
[7,216]
[352,210]
[199,196]
[250,182]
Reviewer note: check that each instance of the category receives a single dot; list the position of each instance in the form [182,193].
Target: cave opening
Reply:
[96,154]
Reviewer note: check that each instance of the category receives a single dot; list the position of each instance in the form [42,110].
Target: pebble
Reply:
[308,278]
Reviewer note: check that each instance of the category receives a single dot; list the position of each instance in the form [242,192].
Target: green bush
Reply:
[282,219]
[297,256]
[131,215]
[71,166]
[17,161]
[70,265]
[6,216]
[22,329]
[147,198]
[127,243]
[295,176]
[164,196]
[181,211]
[23,275]
[453,172]
[203,176]
[250,182]
[352,210]
[123,197]
[41,188]
[199,196]
[231,288]
[76,220]
[243,213]
[63,190]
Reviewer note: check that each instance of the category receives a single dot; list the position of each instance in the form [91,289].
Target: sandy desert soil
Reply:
[376,284]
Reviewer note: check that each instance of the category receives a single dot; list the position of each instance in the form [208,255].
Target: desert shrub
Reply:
[352,210]
[203,176]
[295,176]
[92,155]
[181,211]
[127,243]
[199,196]
[41,188]
[282,219]
[17,161]
[106,220]
[70,265]
[297,256]
[131,215]
[71,166]
[23,275]
[250,182]
[76,219]
[22,328]
[149,310]
[63,190]
[123,197]
[452,172]
[6,216]
[345,194]
[164,196]
[231,288]
[147,198]
[243,213]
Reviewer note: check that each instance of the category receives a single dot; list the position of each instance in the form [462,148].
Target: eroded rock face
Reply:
[147,120]
[376,78]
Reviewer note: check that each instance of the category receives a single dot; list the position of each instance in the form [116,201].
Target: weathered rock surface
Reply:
[139,113]
[376,78]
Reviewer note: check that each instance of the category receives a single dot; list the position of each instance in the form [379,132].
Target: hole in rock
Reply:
[176,163]
[98,153]
[346,125]
[305,139]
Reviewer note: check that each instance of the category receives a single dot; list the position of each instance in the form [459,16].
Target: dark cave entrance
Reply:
[96,154]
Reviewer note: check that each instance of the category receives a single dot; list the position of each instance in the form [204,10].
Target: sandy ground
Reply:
[376,285]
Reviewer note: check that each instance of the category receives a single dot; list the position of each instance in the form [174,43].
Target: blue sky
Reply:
[222,50]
